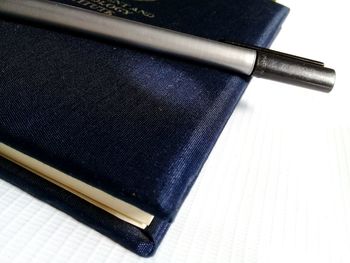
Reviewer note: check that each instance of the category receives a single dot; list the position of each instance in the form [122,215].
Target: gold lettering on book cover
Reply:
[115,7]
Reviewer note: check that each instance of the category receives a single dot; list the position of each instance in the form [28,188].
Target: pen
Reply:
[247,60]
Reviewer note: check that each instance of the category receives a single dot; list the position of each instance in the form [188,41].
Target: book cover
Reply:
[134,124]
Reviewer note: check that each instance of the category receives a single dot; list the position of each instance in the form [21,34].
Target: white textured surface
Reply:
[276,187]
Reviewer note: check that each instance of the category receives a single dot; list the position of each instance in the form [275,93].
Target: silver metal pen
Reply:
[248,60]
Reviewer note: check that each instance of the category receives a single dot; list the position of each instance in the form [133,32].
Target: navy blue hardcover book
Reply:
[133,125]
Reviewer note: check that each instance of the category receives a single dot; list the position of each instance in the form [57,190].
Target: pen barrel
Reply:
[117,29]
[293,70]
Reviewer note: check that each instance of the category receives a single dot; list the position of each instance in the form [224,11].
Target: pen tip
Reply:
[294,70]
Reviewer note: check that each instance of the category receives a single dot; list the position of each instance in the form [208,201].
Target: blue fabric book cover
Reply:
[136,125]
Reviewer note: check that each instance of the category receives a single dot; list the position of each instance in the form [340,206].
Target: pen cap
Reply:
[293,70]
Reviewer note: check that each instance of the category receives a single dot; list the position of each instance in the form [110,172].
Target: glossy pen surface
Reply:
[239,58]
[224,55]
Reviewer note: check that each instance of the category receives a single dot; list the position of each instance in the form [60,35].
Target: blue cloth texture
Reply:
[135,124]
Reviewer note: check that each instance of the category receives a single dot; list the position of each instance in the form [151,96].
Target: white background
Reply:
[276,187]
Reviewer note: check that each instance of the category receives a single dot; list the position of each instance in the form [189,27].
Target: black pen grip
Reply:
[293,70]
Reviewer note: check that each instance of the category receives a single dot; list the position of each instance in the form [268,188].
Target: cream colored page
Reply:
[111,204]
